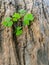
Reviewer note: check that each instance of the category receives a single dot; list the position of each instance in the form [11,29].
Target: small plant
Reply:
[18,31]
[8,22]
[22,12]
[27,19]
[16,16]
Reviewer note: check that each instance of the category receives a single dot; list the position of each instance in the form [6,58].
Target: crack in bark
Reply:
[25,5]
[0,40]
[24,55]
[16,47]
[31,34]
[44,10]
[24,49]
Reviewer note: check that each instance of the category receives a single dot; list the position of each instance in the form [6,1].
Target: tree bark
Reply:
[32,47]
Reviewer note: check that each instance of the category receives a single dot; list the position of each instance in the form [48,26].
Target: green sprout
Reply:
[27,19]
[22,12]
[18,31]
[7,22]
[16,16]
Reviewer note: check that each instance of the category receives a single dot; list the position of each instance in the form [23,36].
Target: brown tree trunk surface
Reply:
[32,47]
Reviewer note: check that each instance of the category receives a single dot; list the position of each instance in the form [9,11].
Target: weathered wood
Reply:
[8,52]
[32,47]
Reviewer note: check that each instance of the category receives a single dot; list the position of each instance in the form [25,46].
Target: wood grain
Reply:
[32,47]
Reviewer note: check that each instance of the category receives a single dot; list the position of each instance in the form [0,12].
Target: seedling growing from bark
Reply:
[22,12]
[18,31]
[8,22]
[16,16]
[27,19]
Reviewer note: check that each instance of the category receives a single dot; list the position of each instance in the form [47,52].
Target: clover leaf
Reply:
[27,18]
[4,23]
[7,19]
[7,22]
[30,17]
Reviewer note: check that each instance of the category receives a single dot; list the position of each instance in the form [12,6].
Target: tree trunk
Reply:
[32,47]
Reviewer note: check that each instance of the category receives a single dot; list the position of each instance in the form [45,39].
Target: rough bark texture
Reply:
[32,47]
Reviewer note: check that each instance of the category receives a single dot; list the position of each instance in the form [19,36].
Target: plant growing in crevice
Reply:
[27,19]
[8,22]
[18,30]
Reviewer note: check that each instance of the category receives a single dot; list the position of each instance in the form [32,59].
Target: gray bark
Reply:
[32,47]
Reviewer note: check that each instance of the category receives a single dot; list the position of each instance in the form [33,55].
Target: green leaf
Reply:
[29,17]
[26,22]
[16,15]
[7,22]
[4,23]
[10,23]
[7,19]
[22,11]
[18,30]
[14,19]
